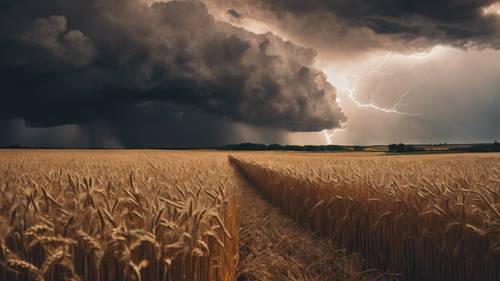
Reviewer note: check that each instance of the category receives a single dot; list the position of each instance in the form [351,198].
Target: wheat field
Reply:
[423,218]
[80,215]
[199,215]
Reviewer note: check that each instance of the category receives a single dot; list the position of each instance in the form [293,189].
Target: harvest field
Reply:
[167,215]
[424,217]
[117,216]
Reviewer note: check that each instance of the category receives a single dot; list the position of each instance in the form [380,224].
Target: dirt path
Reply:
[275,248]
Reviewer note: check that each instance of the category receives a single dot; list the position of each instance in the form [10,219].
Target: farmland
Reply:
[426,218]
[117,216]
[157,215]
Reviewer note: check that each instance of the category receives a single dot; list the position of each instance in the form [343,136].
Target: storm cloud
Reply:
[153,73]
[130,65]
[338,27]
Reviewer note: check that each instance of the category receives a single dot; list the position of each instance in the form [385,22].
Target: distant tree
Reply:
[358,148]
[246,146]
[275,146]
[393,147]
[496,146]
[401,148]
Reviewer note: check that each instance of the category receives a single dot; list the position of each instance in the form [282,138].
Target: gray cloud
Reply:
[103,61]
[233,13]
[338,28]
[51,35]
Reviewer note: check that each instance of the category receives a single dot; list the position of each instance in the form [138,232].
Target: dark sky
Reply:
[124,73]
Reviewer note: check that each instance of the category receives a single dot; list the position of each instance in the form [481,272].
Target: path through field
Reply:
[275,248]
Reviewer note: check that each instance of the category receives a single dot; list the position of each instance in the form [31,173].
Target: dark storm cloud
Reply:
[234,13]
[81,62]
[364,25]
[442,20]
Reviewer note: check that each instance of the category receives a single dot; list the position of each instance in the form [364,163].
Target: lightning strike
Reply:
[375,64]
[393,109]
[329,136]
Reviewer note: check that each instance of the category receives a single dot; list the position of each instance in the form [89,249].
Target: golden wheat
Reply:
[109,215]
[427,218]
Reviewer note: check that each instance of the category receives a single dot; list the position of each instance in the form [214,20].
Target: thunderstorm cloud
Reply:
[120,63]
[209,72]
[339,27]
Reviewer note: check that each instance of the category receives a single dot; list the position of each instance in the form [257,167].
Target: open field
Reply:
[110,215]
[158,215]
[424,217]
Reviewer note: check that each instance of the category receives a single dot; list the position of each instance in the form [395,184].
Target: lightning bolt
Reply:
[375,64]
[394,109]
[330,135]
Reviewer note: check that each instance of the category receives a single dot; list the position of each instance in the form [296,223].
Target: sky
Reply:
[152,73]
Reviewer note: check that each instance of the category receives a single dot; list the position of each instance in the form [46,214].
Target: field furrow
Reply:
[424,218]
[273,247]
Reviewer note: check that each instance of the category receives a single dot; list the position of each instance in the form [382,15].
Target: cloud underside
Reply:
[338,28]
[156,63]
